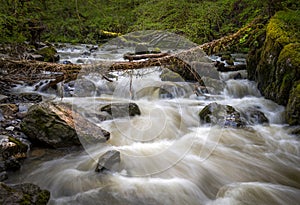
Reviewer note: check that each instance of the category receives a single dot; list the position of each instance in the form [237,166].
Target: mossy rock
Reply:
[168,75]
[49,53]
[278,66]
[293,106]
[47,125]
[223,115]
[23,194]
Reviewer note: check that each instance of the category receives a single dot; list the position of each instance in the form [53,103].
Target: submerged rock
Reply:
[110,160]
[117,110]
[23,194]
[223,115]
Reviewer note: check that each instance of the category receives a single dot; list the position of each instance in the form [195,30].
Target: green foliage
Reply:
[82,20]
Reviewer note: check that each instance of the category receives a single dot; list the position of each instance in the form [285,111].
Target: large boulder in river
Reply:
[57,125]
[223,115]
[275,65]
[50,125]
[23,194]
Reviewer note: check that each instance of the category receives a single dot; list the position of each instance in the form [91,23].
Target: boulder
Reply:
[223,115]
[168,75]
[57,125]
[23,194]
[213,86]
[110,160]
[51,125]
[141,48]
[118,110]
[275,65]
[205,69]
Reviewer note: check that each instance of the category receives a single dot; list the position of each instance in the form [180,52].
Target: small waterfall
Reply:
[240,89]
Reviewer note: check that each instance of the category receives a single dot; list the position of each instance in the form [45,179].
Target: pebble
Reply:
[10,128]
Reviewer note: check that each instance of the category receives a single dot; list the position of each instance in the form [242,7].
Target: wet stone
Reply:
[121,109]
[110,160]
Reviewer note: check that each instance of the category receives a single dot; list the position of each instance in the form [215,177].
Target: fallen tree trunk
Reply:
[30,72]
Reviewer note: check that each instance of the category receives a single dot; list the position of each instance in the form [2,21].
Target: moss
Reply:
[26,200]
[43,197]
[290,56]
[49,54]
[284,27]
[293,106]
[279,57]
[23,147]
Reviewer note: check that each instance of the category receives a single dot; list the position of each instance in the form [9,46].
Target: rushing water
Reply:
[167,155]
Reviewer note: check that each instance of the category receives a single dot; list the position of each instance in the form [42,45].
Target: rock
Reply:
[223,115]
[222,68]
[11,151]
[230,61]
[84,88]
[213,86]
[2,97]
[8,109]
[3,176]
[49,54]
[225,57]
[168,75]
[110,160]
[66,62]
[80,61]
[23,194]
[141,48]
[255,116]
[12,164]
[117,110]
[293,107]
[275,65]
[22,98]
[51,125]
[35,57]
[205,69]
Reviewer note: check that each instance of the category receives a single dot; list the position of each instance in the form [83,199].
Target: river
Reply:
[167,155]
